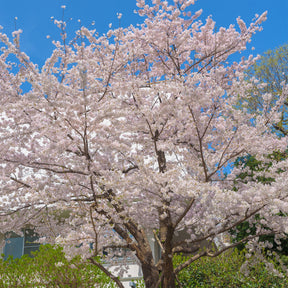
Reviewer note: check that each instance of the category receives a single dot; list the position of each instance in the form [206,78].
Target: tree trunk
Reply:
[168,277]
[168,274]
[148,265]
[150,275]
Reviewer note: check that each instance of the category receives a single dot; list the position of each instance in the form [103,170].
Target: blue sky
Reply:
[34,19]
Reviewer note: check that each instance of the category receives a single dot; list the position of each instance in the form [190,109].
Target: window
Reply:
[17,246]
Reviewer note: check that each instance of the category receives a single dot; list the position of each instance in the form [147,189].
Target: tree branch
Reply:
[188,207]
[107,272]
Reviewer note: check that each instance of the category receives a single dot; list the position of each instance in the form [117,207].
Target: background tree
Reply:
[131,132]
[272,71]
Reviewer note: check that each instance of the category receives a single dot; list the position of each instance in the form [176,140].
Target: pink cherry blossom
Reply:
[129,133]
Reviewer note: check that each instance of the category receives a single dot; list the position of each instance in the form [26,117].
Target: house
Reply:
[16,245]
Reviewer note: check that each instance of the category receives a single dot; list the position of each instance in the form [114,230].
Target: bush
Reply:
[50,268]
[224,271]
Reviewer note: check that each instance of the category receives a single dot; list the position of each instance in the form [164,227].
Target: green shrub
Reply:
[224,271]
[50,268]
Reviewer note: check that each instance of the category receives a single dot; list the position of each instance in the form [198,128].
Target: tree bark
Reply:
[148,265]
[168,277]
[150,275]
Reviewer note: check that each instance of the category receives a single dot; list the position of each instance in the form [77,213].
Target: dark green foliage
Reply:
[224,271]
[50,268]
[253,173]
[256,167]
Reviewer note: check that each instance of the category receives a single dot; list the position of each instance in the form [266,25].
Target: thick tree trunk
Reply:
[150,275]
[166,234]
[168,275]
[148,265]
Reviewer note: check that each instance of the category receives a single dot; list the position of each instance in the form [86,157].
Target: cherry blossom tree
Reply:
[129,134]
